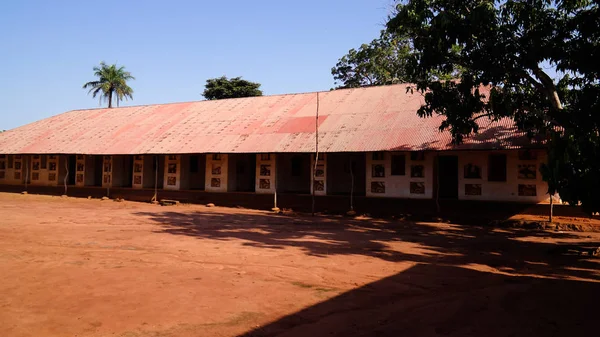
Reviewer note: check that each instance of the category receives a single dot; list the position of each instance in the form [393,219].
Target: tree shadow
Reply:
[506,250]
[465,280]
[437,300]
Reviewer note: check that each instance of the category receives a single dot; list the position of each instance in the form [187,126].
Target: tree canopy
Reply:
[377,63]
[540,59]
[235,87]
[111,84]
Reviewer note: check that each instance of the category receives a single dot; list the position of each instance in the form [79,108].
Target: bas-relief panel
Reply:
[377,171]
[417,171]
[527,190]
[527,171]
[264,184]
[472,171]
[472,189]
[417,187]
[378,187]
[216,169]
[265,170]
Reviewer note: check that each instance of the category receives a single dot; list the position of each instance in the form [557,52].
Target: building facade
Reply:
[370,144]
[505,175]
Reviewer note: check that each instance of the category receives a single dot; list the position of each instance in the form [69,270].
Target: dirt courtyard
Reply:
[79,267]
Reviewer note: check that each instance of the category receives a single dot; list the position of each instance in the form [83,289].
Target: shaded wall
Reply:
[197,171]
[122,171]
[241,172]
[459,210]
[293,173]
[149,171]
[342,169]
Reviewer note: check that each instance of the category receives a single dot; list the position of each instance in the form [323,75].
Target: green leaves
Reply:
[378,63]
[539,61]
[111,84]
[222,87]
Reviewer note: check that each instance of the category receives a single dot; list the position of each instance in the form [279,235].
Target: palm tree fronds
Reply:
[111,83]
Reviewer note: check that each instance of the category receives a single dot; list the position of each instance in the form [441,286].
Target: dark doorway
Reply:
[158,167]
[346,174]
[98,170]
[127,171]
[448,177]
[242,172]
[197,172]
[72,164]
[293,173]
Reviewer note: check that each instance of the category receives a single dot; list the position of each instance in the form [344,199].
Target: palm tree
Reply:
[111,83]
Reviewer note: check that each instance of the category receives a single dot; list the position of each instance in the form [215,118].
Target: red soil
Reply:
[78,267]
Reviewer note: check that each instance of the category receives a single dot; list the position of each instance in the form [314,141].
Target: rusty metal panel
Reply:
[351,120]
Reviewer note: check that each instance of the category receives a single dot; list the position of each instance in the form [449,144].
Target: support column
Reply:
[138,172]
[216,173]
[18,164]
[378,170]
[53,169]
[107,170]
[35,169]
[319,176]
[266,173]
[80,170]
[172,172]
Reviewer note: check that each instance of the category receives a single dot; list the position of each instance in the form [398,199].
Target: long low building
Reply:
[370,144]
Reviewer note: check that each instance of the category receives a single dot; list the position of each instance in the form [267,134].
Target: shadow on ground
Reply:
[435,300]
[527,286]
[448,244]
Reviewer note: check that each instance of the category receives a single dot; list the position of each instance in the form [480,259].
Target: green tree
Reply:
[540,60]
[111,84]
[235,87]
[380,62]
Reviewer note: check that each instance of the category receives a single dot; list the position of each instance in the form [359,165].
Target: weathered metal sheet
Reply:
[351,120]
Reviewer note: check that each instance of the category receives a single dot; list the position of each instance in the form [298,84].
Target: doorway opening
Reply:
[242,172]
[158,169]
[72,165]
[448,177]
[346,174]
[128,171]
[197,170]
[97,172]
[293,173]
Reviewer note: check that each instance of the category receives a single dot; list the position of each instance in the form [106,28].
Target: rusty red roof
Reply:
[350,120]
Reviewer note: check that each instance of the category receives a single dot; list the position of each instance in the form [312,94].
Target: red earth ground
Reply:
[78,267]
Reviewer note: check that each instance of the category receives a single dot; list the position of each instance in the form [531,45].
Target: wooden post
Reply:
[314,171]
[67,174]
[551,208]
[275,208]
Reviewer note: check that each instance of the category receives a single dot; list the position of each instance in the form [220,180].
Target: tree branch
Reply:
[549,87]
[539,86]
[483,115]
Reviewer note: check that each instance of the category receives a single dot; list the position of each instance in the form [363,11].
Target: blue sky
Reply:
[171,47]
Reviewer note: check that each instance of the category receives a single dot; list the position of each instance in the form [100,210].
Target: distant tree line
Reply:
[111,86]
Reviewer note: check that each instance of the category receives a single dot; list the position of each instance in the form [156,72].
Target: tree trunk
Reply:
[110,99]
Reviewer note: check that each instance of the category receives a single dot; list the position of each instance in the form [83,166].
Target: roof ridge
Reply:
[237,98]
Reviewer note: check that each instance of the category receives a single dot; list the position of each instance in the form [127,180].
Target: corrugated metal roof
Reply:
[350,120]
